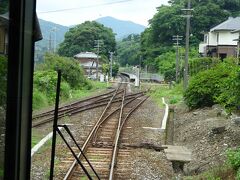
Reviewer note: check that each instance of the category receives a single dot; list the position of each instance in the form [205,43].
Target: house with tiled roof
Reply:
[89,61]
[220,41]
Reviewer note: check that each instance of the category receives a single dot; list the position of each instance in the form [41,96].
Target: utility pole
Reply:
[54,29]
[111,61]
[97,46]
[50,42]
[177,38]
[188,16]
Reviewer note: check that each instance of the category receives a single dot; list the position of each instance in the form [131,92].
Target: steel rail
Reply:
[72,108]
[70,105]
[47,113]
[116,137]
[71,169]
[86,107]
[107,117]
[119,130]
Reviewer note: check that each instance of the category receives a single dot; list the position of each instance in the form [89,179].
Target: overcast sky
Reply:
[71,12]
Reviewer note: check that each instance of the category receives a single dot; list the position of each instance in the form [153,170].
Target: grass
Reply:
[81,93]
[1,173]
[36,137]
[172,96]
[40,100]
[224,172]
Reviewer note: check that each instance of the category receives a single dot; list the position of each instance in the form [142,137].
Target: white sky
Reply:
[138,11]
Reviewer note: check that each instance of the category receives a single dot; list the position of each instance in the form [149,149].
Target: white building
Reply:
[89,62]
[221,41]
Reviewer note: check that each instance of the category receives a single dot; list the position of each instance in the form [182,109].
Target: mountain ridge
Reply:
[122,28]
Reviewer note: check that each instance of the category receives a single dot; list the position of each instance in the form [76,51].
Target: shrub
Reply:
[3,80]
[106,69]
[71,70]
[238,175]
[115,69]
[206,87]
[170,75]
[65,90]
[202,63]
[45,82]
[230,91]
[233,157]
[39,99]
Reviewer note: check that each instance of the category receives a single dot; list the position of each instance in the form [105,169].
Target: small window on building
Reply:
[205,38]
[217,37]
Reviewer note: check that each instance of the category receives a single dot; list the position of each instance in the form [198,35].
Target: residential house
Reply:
[221,41]
[89,61]
[4,33]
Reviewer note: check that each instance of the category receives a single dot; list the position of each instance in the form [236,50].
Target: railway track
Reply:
[80,106]
[102,146]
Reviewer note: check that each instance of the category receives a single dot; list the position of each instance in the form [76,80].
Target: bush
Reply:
[39,99]
[197,65]
[230,95]
[115,69]
[170,75]
[45,82]
[71,70]
[207,86]
[238,175]
[3,80]
[233,157]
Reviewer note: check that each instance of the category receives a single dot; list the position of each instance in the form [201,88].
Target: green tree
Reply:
[167,22]
[115,69]
[3,6]
[71,71]
[128,50]
[82,38]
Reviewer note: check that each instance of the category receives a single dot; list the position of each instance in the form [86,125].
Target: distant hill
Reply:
[48,27]
[120,27]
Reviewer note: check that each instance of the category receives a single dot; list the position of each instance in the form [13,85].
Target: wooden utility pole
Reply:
[50,42]
[97,46]
[177,38]
[188,16]
[111,61]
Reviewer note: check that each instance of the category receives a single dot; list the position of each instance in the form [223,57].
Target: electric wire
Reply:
[90,6]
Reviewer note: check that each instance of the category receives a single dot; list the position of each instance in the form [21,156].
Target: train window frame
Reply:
[19,89]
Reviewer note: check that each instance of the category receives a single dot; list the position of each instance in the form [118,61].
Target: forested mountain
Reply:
[49,41]
[49,28]
[167,22]
[120,27]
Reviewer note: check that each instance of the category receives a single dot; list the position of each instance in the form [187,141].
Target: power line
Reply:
[97,5]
